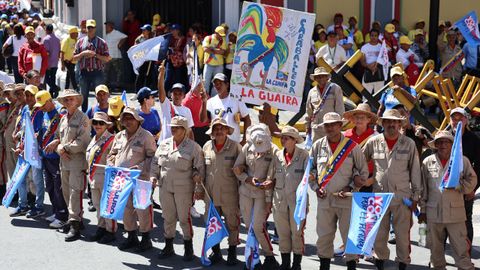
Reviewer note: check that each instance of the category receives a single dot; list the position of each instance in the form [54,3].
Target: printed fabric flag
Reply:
[252,255]
[383,59]
[302,196]
[215,231]
[451,178]
[124,98]
[368,209]
[18,177]
[142,194]
[196,76]
[117,187]
[271,56]
[32,156]
[468,26]
[154,49]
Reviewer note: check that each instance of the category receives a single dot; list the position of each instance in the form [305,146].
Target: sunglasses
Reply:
[98,123]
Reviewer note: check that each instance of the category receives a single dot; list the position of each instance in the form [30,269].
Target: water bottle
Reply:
[422,231]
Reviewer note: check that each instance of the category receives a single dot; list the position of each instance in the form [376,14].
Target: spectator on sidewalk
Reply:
[16,40]
[52,45]
[176,69]
[32,55]
[66,55]
[113,69]
[214,47]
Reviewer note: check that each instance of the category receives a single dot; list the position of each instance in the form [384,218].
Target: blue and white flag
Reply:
[368,209]
[118,185]
[32,156]
[451,178]
[197,75]
[18,177]
[215,231]
[154,49]
[468,26]
[252,254]
[124,98]
[302,196]
[383,59]
[142,194]
[308,141]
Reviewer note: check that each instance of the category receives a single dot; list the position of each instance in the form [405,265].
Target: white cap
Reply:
[459,110]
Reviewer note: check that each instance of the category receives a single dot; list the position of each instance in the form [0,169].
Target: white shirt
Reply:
[17,43]
[333,56]
[371,52]
[402,56]
[230,106]
[112,39]
[331,28]
[40,33]
[185,112]
[5,78]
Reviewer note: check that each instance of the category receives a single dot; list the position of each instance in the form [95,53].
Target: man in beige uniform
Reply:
[16,104]
[4,105]
[72,138]
[286,171]
[333,206]
[397,170]
[323,98]
[222,185]
[251,168]
[444,211]
[134,148]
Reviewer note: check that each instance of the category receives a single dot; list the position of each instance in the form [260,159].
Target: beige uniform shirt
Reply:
[287,177]
[446,207]
[9,126]
[256,166]
[4,109]
[74,136]
[396,171]
[96,180]
[138,150]
[221,182]
[353,165]
[174,167]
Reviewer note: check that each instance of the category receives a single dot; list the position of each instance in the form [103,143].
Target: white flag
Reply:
[382,59]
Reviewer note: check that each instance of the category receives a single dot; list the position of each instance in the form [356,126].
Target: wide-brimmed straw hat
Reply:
[222,122]
[319,71]
[442,134]
[133,112]
[291,132]
[332,117]
[392,114]
[102,117]
[69,93]
[362,108]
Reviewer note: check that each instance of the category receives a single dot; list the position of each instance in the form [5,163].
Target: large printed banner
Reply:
[468,26]
[17,179]
[271,56]
[368,209]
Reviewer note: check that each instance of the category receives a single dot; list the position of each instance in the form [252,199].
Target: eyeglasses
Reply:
[98,123]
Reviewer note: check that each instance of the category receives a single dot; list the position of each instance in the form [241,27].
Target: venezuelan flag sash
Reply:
[335,162]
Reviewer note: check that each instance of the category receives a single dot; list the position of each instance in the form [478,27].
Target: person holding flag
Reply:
[286,171]
[17,101]
[442,210]
[397,170]
[222,185]
[338,167]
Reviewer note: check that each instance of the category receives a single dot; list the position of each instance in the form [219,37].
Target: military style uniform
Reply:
[7,130]
[445,212]
[4,108]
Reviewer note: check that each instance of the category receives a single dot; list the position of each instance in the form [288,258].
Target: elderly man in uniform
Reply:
[251,169]
[71,140]
[179,169]
[134,148]
[443,209]
[397,170]
[17,101]
[4,105]
[222,185]
[338,167]
[286,171]
[325,97]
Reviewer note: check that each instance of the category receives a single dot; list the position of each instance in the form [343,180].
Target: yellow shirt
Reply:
[229,58]
[68,48]
[318,44]
[212,42]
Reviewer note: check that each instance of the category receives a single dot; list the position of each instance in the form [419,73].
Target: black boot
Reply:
[145,244]
[98,234]
[297,262]
[285,261]
[167,251]
[108,237]
[188,246]
[379,264]
[3,189]
[130,242]
[232,255]
[270,263]
[74,231]
[216,255]
[352,265]
[325,263]
[402,266]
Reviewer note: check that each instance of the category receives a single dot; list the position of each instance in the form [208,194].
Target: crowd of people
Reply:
[187,139]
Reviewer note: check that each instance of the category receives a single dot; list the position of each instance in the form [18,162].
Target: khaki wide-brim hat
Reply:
[133,112]
[222,122]
[101,116]
[392,114]
[179,121]
[69,93]
[442,134]
[362,108]
[260,139]
[332,117]
[319,71]
[291,132]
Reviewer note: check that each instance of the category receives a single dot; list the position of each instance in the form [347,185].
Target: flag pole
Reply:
[206,192]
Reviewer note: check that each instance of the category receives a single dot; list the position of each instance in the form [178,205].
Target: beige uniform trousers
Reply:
[73,186]
[109,224]
[144,216]
[176,204]
[232,221]
[260,218]
[290,239]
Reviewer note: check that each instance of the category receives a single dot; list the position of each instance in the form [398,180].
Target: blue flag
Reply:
[468,26]
[451,178]
[308,141]
[124,98]
[154,49]
[118,185]
[215,231]
[302,196]
[32,156]
[252,255]
[142,194]
[18,177]
[368,209]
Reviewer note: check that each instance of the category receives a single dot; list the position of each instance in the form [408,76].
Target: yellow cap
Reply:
[42,97]
[101,87]
[115,105]
[32,89]
[73,30]
[29,29]
[220,30]
[91,23]
[156,20]
[389,28]
[405,40]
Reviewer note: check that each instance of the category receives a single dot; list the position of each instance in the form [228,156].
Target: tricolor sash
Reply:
[4,106]
[322,103]
[335,161]
[98,155]
[52,128]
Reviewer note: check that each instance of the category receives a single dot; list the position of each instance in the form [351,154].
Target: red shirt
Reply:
[444,162]
[351,134]
[29,53]
[288,157]
[194,103]
[333,146]
[132,30]
[391,143]
[219,146]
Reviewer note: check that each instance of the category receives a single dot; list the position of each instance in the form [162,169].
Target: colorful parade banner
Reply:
[142,194]
[302,196]
[271,56]
[117,187]
[18,177]
[468,26]
[215,231]
[252,254]
[451,178]
[368,210]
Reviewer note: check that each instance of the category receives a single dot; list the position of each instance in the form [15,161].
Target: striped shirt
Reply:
[97,45]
